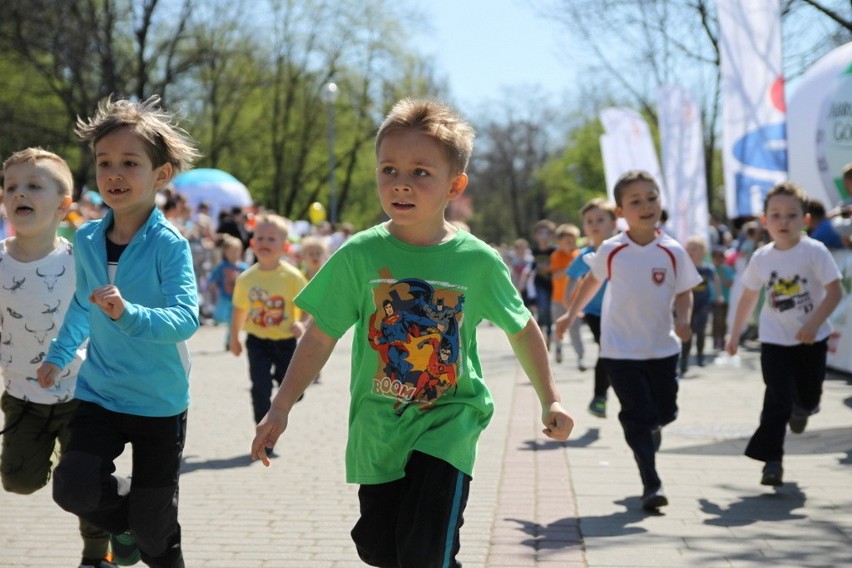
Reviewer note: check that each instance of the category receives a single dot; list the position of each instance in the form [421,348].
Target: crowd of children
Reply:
[134,280]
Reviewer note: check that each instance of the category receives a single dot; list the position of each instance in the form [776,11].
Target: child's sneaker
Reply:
[773,474]
[96,563]
[798,422]
[654,499]
[124,549]
[581,364]
[559,354]
[598,407]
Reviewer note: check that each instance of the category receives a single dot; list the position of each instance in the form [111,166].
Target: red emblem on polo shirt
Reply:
[658,275]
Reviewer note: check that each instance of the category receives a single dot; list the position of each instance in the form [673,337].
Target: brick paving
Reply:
[533,502]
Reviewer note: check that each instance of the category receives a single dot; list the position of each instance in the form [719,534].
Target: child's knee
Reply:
[23,482]
[76,482]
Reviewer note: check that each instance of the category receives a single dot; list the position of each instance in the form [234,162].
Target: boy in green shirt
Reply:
[419,402]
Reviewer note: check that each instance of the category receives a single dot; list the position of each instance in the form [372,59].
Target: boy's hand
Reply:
[732,346]
[109,300]
[807,334]
[683,330]
[235,346]
[46,374]
[558,423]
[562,324]
[267,433]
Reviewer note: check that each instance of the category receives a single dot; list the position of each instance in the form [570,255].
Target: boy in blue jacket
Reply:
[136,293]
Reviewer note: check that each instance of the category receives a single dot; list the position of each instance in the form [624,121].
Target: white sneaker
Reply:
[581,365]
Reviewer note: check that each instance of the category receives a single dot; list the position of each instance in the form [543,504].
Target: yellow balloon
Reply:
[316,213]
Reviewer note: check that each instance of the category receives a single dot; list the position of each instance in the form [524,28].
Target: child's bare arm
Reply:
[238,316]
[833,295]
[683,315]
[571,286]
[745,307]
[529,346]
[310,356]
[586,291]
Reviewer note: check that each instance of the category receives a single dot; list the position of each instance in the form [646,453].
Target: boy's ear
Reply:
[458,186]
[164,175]
[65,205]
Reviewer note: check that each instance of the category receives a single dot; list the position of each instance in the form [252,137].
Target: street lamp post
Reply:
[329,95]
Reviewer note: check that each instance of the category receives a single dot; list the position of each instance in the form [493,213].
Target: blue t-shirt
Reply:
[579,268]
[827,234]
[704,293]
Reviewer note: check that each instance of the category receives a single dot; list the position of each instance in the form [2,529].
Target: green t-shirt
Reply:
[416,377]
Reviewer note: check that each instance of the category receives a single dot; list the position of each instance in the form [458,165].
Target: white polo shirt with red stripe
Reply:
[637,321]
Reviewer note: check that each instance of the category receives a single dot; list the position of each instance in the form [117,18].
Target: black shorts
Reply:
[413,522]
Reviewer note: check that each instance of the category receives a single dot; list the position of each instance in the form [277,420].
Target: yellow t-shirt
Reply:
[267,296]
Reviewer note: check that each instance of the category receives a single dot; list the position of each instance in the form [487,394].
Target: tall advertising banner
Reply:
[819,126]
[627,145]
[682,152]
[754,132]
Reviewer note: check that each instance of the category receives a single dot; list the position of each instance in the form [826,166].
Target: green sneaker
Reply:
[124,549]
[598,407]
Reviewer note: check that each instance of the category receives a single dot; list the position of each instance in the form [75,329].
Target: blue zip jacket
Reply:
[138,364]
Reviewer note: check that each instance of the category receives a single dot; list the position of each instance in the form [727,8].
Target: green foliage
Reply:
[576,175]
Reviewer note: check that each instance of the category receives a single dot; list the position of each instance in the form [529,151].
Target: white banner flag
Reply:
[753,127]
[627,145]
[682,151]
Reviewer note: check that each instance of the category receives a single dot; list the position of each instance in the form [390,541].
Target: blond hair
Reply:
[697,240]
[600,204]
[230,241]
[165,141]
[313,243]
[567,229]
[277,221]
[59,170]
[435,119]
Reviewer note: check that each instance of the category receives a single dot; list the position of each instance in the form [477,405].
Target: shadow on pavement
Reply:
[591,436]
[189,466]
[777,506]
[617,524]
[827,441]
[558,535]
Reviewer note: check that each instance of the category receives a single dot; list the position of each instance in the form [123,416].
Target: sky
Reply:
[485,46]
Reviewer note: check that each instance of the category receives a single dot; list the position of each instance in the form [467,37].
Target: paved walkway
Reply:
[533,502]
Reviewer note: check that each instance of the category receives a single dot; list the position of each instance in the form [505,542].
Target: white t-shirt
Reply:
[34,297]
[795,282]
[637,317]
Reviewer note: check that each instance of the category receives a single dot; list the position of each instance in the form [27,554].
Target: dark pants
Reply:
[83,483]
[542,306]
[698,325]
[30,435]
[720,324]
[413,522]
[793,376]
[647,391]
[601,378]
[268,361]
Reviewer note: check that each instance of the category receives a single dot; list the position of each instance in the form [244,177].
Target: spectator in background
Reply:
[725,277]
[542,248]
[820,227]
